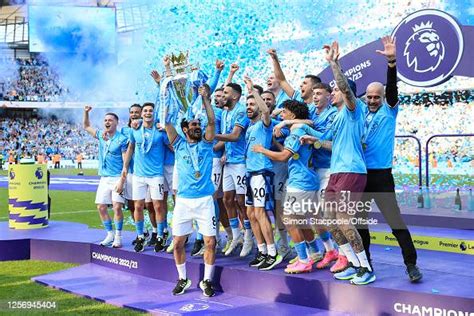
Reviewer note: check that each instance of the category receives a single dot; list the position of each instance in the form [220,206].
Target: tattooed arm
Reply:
[332,56]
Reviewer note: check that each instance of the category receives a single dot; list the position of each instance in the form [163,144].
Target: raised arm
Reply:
[86,122]
[214,81]
[233,69]
[157,78]
[390,52]
[170,129]
[263,108]
[279,75]
[211,119]
[332,56]
[167,64]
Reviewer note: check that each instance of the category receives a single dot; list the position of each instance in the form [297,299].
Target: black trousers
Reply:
[381,188]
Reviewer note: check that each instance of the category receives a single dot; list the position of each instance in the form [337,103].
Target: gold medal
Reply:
[317,144]
[296,156]
[197,174]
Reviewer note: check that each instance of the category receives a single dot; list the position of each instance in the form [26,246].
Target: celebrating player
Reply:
[111,161]
[194,200]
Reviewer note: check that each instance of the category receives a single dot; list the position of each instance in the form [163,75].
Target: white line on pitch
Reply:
[62,213]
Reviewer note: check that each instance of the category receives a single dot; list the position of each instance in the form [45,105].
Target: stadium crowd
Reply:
[28,138]
[244,167]
[34,81]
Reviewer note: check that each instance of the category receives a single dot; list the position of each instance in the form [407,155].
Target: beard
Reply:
[195,135]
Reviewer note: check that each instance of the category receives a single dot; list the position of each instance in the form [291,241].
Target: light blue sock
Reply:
[161,228]
[247,224]
[165,225]
[234,222]
[313,246]
[139,226]
[107,225]
[199,236]
[301,250]
[119,224]
[325,236]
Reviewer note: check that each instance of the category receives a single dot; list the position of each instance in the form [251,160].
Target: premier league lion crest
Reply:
[432,45]
[424,50]
[39,173]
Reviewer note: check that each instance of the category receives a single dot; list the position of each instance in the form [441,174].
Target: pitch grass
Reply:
[16,285]
[68,206]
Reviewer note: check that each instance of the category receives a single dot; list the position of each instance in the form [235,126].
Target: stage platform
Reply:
[448,283]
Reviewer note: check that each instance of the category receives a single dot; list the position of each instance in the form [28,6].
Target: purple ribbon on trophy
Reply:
[178,92]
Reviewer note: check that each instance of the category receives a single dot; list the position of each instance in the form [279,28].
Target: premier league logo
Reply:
[424,50]
[12,175]
[39,174]
[432,45]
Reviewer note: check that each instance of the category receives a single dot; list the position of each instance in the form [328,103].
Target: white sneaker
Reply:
[234,244]
[247,247]
[108,240]
[117,241]
[170,247]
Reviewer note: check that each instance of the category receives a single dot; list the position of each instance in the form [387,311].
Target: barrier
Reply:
[27,196]
[420,172]
[427,152]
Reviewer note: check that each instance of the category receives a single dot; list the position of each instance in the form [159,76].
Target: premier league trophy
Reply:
[178,92]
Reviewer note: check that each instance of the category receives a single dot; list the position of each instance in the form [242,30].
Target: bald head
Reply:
[374,95]
[375,87]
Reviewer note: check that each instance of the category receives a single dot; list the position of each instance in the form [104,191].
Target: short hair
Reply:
[185,122]
[135,105]
[148,104]
[112,114]
[221,88]
[324,86]
[299,109]
[269,92]
[259,88]
[236,87]
[314,79]
[353,86]
[250,97]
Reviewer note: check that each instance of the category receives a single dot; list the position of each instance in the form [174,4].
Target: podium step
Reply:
[447,285]
[154,296]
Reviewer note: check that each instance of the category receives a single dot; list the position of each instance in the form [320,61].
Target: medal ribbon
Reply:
[368,125]
[106,149]
[193,154]
[146,147]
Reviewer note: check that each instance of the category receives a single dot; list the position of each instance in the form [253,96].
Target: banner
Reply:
[427,242]
[27,196]
[431,48]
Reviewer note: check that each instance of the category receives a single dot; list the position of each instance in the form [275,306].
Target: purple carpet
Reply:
[154,296]
[448,283]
